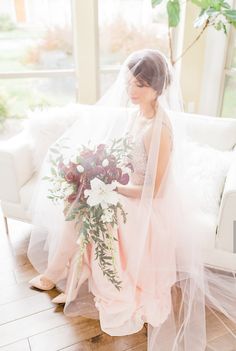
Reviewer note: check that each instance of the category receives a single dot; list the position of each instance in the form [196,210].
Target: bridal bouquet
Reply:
[86,183]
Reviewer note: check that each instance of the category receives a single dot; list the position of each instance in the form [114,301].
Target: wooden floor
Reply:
[29,321]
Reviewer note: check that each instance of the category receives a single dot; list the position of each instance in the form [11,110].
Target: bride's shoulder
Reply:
[165,135]
[166,122]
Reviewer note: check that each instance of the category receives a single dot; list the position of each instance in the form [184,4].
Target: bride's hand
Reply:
[129,190]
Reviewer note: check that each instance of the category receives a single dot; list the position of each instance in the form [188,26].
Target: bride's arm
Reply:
[163,156]
[135,191]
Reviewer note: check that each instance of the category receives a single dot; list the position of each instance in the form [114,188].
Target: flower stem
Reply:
[194,41]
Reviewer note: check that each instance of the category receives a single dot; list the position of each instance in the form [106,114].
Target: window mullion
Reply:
[36,74]
[85,31]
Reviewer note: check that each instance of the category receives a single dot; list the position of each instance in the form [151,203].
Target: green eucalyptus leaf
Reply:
[225,5]
[212,12]
[204,4]
[53,171]
[173,10]
[230,16]
[54,150]
[156,2]
[197,3]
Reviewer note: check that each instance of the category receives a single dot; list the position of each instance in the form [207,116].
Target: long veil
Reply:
[157,252]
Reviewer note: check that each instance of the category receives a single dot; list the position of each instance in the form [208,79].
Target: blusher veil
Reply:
[160,252]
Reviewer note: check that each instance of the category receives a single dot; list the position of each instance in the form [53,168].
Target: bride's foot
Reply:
[41,282]
[61,298]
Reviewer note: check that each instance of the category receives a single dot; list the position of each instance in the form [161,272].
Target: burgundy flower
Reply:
[87,153]
[71,198]
[124,179]
[72,166]
[100,154]
[99,171]
[101,147]
[113,173]
[70,177]
[112,160]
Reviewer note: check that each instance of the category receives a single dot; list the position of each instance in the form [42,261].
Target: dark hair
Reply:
[150,68]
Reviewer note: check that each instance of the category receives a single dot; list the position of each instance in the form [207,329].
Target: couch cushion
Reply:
[206,169]
[45,126]
[217,132]
[27,190]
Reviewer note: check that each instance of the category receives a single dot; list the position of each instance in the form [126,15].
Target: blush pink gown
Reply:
[145,297]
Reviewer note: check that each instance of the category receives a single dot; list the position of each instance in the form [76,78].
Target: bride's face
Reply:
[139,93]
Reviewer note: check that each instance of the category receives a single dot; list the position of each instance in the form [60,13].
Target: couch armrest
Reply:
[16,166]
[226,233]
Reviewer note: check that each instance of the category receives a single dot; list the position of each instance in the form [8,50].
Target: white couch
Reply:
[18,176]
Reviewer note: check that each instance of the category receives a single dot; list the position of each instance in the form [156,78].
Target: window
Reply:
[36,59]
[126,26]
[228,105]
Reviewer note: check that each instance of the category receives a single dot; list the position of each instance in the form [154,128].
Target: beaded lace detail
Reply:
[139,155]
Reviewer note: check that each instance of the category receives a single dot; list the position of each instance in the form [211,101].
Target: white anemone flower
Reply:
[105,162]
[80,169]
[101,193]
[107,217]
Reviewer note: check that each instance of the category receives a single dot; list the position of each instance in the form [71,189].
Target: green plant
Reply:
[214,13]
[55,38]
[119,38]
[40,103]
[6,24]
[4,111]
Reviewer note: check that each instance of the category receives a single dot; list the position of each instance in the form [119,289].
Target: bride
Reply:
[145,265]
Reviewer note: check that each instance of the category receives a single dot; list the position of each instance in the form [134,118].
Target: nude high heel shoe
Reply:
[41,282]
[61,298]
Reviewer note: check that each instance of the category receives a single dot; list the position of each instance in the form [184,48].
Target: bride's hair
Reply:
[151,69]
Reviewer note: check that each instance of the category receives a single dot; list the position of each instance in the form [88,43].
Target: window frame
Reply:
[81,49]
[228,70]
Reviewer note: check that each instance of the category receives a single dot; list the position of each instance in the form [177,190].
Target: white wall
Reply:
[192,64]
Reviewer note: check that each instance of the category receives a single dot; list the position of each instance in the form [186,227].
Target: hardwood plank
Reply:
[215,328]
[66,335]
[82,346]
[30,321]
[31,325]
[24,307]
[105,342]
[25,273]
[225,342]
[7,278]
[22,345]
[12,261]
[141,347]
[16,292]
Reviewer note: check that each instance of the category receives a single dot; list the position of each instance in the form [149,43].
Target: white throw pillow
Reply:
[207,169]
[46,126]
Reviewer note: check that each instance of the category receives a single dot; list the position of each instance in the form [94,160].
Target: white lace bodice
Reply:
[139,154]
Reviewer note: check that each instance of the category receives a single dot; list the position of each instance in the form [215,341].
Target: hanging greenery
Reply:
[213,13]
